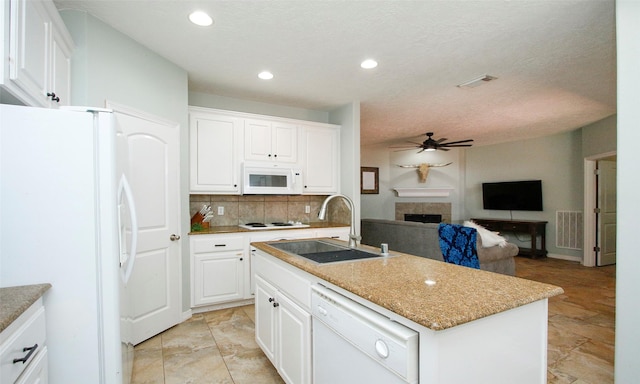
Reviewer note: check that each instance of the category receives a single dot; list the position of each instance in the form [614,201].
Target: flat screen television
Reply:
[513,195]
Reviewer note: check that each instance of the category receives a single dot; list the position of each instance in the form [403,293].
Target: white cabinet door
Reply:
[321,151]
[284,142]
[215,142]
[60,69]
[294,341]
[39,54]
[266,318]
[153,151]
[270,141]
[218,269]
[218,277]
[29,42]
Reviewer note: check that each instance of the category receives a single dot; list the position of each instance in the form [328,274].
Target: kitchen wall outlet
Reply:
[307,209]
[220,211]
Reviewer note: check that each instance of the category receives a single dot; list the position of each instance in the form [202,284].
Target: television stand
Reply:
[532,227]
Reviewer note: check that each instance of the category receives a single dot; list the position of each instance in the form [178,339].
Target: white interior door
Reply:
[606,225]
[153,147]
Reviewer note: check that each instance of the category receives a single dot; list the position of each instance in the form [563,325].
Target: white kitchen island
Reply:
[474,326]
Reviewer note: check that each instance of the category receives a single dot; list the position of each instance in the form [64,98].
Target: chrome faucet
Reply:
[353,238]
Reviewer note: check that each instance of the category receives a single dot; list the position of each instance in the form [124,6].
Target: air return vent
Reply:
[569,229]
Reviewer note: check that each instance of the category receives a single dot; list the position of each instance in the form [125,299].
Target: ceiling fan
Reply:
[431,145]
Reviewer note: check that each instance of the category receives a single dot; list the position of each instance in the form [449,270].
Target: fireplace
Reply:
[423,217]
[434,212]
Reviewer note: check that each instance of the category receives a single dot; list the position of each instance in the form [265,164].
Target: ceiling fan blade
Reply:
[456,145]
[405,149]
[458,142]
[441,140]
[408,144]
[442,149]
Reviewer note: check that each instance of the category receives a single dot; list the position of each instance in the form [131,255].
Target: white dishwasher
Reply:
[354,344]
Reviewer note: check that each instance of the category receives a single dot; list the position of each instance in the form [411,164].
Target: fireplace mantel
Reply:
[423,192]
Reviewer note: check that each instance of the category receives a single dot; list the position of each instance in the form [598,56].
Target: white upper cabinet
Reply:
[38,71]
[220,141]
[270,141]
[321,151]
[215,146]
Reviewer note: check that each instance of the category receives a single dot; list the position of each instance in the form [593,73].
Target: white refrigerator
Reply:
[67,218]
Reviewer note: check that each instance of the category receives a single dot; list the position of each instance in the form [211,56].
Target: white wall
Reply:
[599,137]
[107,65]
[556,160]
[382,205]
[627,369]
[206,100]
[348,117]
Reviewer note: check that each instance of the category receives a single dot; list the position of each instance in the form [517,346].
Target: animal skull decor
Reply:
[423,169]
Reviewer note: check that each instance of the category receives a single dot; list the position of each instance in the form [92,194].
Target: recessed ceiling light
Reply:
[200,18]
[369,64]
[265,75]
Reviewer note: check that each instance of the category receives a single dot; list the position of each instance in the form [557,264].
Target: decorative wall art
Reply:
[369,180]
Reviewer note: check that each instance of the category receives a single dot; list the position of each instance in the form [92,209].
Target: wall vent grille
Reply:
[569,229]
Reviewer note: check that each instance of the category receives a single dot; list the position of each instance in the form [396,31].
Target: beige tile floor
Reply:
[219,346]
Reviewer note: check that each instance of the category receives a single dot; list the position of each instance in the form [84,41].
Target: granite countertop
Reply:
[236,229]
[397,283]
[15,300]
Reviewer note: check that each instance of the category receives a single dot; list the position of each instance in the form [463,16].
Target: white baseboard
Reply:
[186,315]
[565,257]
[215,307]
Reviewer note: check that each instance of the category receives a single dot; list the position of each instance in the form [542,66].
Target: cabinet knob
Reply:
[271,299]
[174,237]
[276,305]
[241,259]
[53,96]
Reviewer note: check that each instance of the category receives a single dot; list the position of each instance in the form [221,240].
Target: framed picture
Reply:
[369,180]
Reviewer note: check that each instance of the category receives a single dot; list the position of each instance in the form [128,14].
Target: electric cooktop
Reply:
[276,225]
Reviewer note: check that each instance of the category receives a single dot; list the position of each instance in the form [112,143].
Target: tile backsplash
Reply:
[242,209]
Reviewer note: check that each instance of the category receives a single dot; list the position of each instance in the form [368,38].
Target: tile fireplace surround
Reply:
[443,209]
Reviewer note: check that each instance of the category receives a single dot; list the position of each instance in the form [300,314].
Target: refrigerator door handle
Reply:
[129,261]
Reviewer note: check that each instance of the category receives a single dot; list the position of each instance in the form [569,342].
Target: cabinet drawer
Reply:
[515,227]
[290,283]
[217,244]
[31,333]
[38,370]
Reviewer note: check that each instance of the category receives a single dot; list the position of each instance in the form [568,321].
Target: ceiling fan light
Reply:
[477,81]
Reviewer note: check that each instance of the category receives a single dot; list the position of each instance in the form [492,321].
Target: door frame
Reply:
[590,196]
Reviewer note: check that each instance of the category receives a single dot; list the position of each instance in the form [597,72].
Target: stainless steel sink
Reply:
[323,252]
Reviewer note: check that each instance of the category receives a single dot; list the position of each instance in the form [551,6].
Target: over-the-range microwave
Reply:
[271,179]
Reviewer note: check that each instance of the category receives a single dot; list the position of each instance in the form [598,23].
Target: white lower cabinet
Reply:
[221,271]
[283,331]
[23,350]
[218,269]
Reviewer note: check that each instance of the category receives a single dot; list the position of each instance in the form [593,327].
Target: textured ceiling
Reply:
[555,60]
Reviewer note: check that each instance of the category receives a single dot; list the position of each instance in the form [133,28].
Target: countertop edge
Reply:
[236,229]
[435,321]
[15,300]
